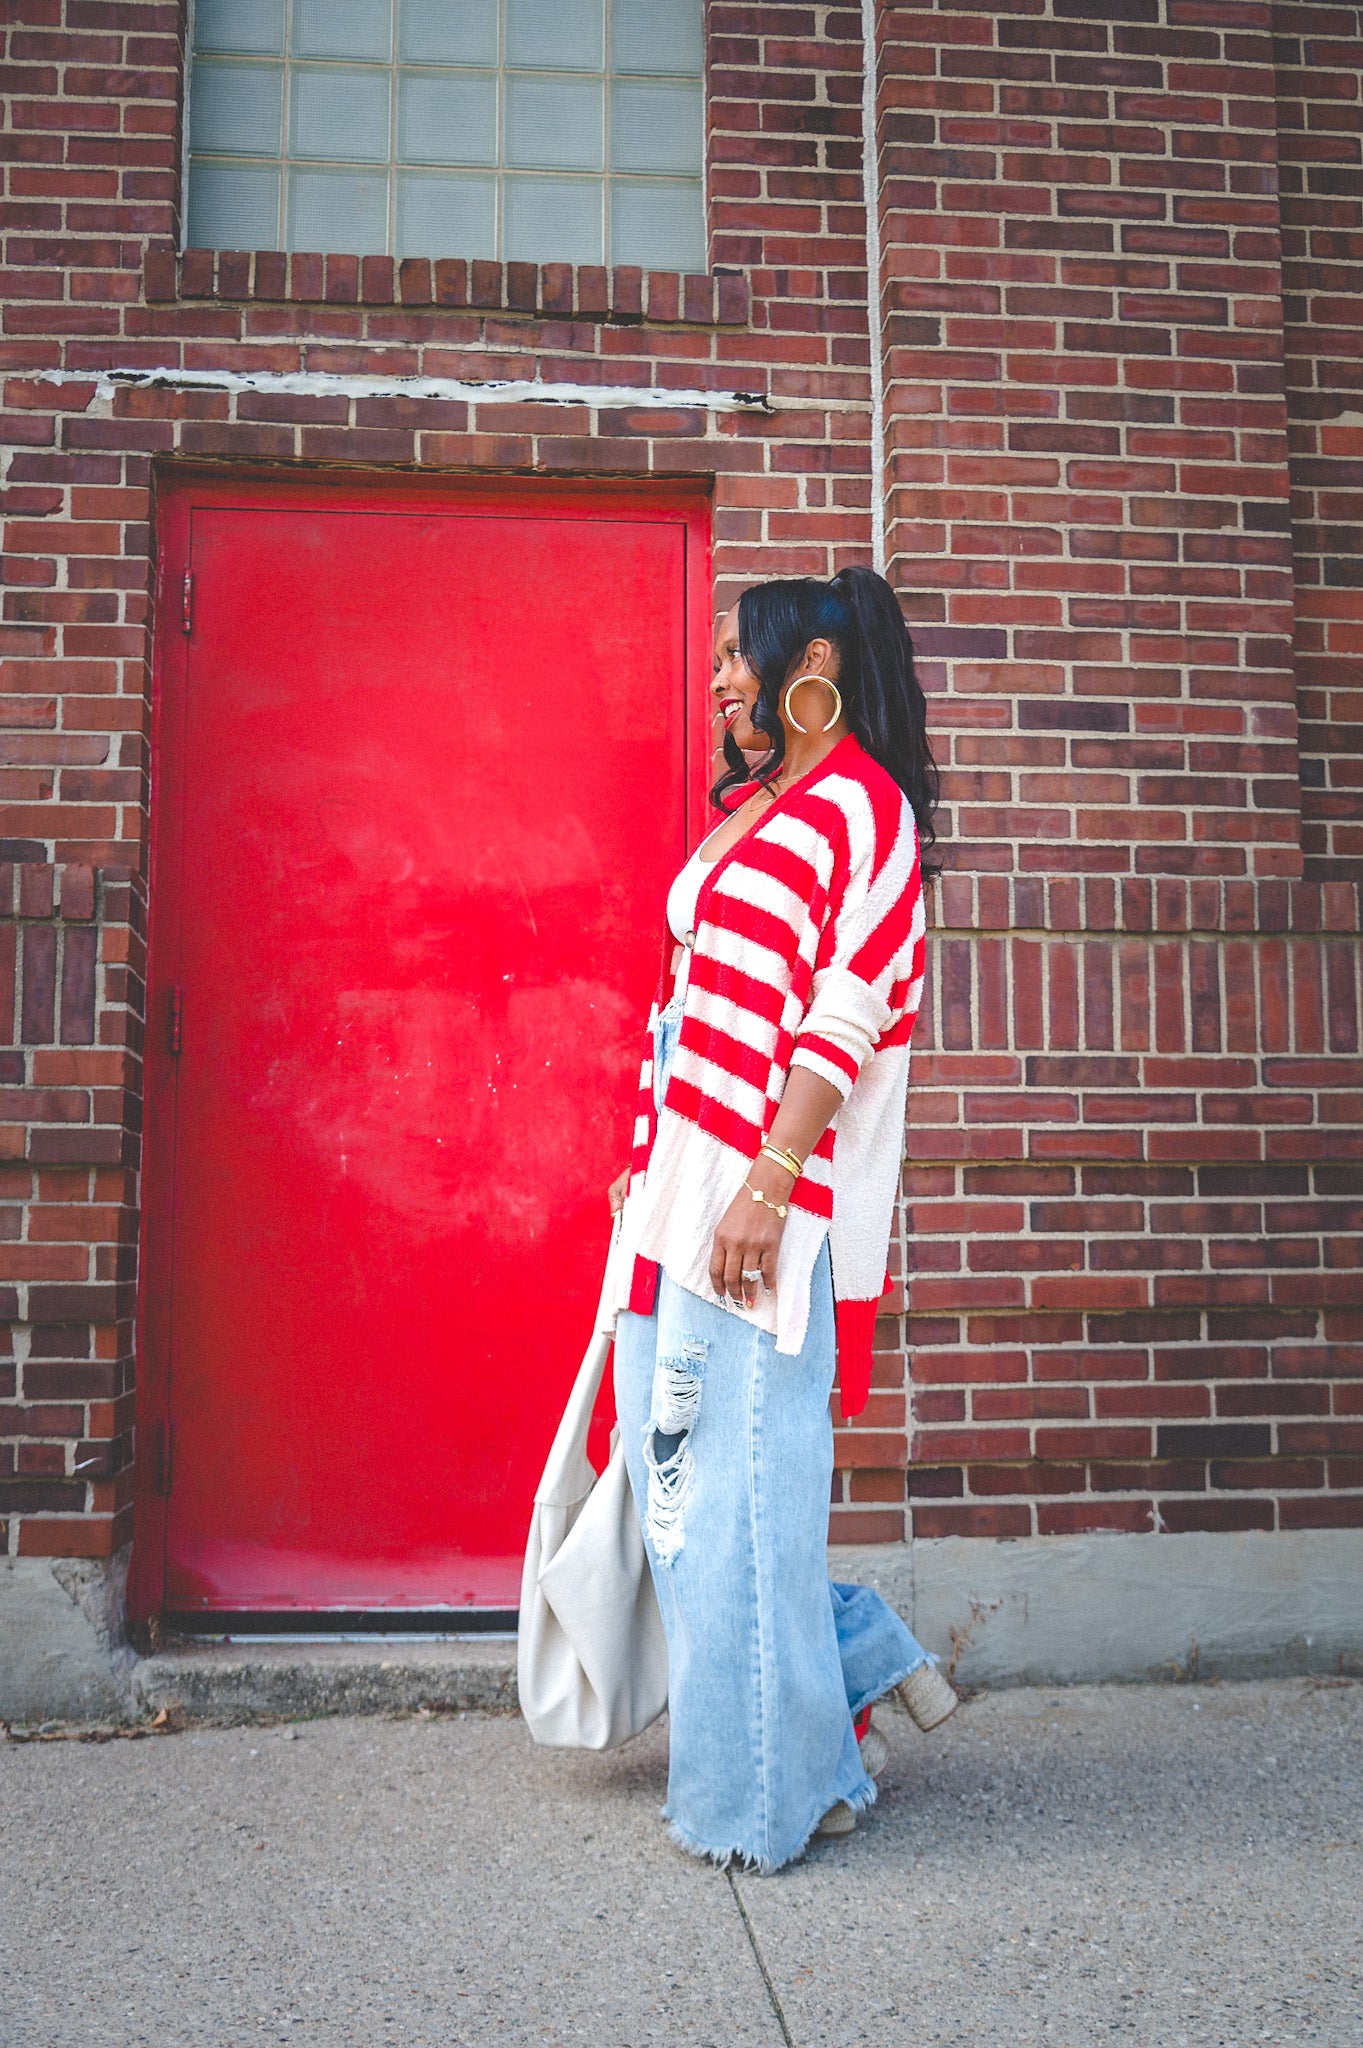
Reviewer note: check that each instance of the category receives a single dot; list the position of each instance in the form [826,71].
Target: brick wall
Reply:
[68,1186]
[1132,1249]
[1129,1286]
[1134,1210]
[91,282]
[1088,458]
[1320,152]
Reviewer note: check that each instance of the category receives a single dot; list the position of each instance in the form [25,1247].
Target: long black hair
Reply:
[882,697]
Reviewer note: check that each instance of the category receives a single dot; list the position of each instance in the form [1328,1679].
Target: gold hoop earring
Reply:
[791,688]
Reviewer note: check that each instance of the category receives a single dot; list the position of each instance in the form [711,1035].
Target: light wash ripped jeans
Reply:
[729,1448]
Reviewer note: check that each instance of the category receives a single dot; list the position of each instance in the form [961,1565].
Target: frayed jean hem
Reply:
[883,1689]
[750,1861]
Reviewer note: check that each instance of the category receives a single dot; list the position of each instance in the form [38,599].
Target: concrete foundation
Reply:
[1072,1610]
[63,1655]
[1060,1610]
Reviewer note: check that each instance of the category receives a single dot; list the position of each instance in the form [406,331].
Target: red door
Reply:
[420,781]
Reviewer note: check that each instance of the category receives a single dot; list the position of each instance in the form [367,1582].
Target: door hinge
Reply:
[160,1453]
[177,1017]
[187,604]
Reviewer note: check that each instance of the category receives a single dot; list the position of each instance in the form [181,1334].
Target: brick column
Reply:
[1320,149]
[66,1379]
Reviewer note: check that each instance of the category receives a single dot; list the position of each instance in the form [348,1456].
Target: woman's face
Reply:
[735,689]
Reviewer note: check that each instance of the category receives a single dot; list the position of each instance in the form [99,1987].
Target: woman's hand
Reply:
[616,1192]
[749,1234]
[749,1238]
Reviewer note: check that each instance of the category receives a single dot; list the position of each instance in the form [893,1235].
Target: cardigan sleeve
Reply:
[869,962]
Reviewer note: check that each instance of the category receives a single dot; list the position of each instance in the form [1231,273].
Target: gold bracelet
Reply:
[782,1209]
[793,1166]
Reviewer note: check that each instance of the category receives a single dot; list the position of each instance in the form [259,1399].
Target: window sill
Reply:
[551,291]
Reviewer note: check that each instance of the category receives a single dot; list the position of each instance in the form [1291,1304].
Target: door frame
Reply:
[180,490]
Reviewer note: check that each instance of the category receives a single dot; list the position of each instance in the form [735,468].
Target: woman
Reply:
[756,1212]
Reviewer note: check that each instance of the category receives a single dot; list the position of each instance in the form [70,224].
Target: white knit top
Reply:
[682,898]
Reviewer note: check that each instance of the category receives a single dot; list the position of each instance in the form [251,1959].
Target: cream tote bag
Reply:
[591,1656]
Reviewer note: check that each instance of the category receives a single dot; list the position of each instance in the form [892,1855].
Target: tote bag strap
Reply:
[568,1472]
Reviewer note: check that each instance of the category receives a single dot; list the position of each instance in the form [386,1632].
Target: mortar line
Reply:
[757,1958]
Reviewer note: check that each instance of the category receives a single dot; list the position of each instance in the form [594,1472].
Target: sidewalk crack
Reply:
[757,1958]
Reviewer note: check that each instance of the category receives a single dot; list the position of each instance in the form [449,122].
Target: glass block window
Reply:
[568,131]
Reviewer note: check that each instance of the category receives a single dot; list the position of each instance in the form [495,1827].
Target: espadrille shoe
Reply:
[874,1750]
[928,1696]
[839,1820]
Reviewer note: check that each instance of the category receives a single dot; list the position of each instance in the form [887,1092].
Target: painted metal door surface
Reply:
[422,780]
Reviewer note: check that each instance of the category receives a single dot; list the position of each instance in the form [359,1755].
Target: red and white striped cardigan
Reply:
[809,951]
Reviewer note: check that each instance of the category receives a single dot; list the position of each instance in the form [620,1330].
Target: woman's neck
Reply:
[804,752]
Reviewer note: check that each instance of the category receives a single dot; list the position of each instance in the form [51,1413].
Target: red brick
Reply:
[415,286]
[159,274]
[451,282]
[377,280]
[976,1518]
[66,1536]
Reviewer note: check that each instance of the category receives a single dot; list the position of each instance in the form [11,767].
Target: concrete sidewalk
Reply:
[1163,1865]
